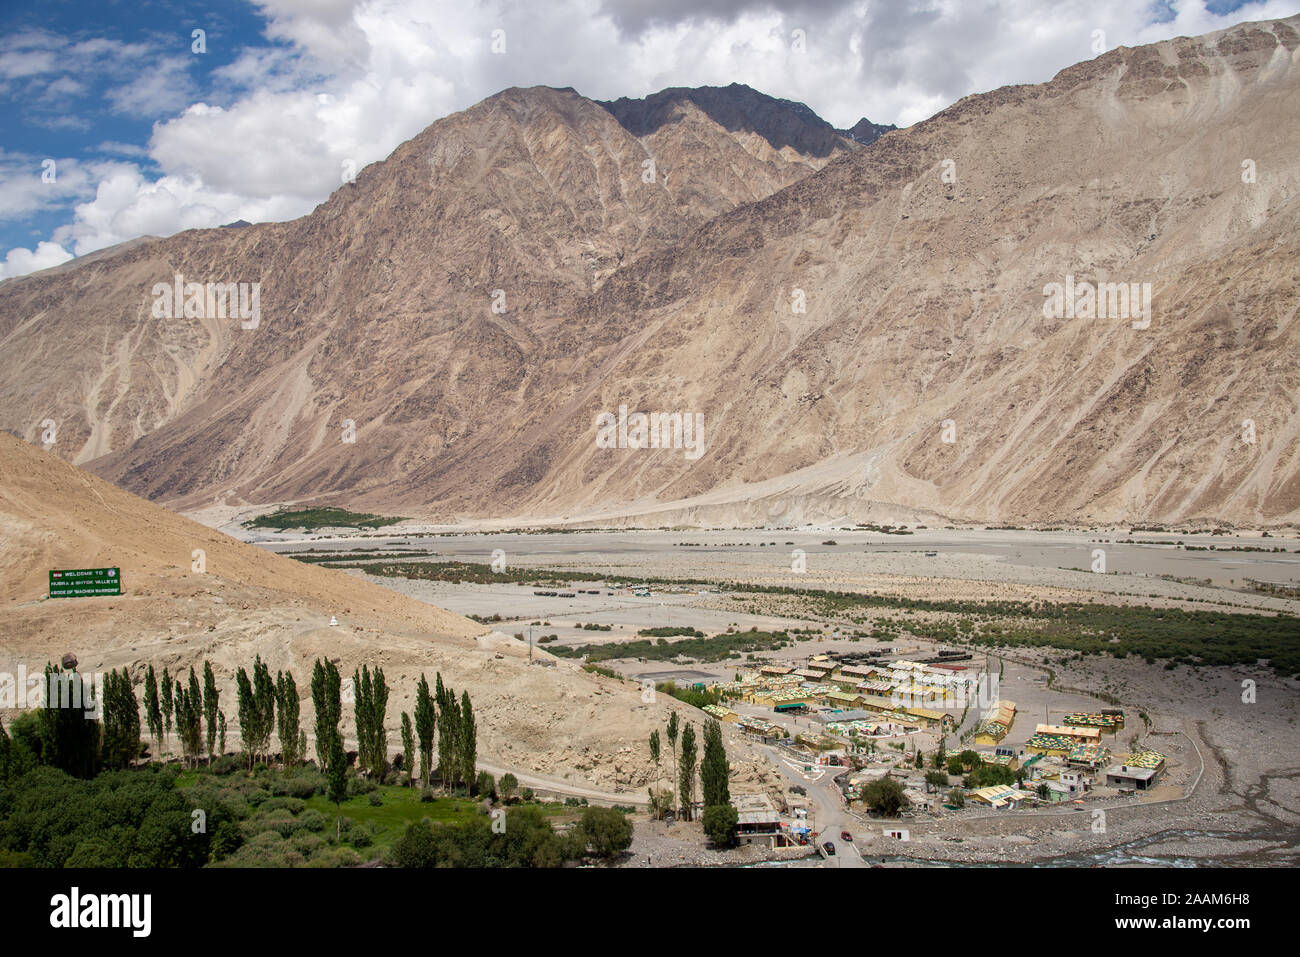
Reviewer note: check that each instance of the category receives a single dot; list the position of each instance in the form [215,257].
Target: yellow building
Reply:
[929,718]
[996,723]
[721,713]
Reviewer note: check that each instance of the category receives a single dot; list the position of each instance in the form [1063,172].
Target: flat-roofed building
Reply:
[757,820]
[1078,735]
[842,699]
[995,724]
[722,714]
[929,718]
[1002,796]
[1126,777]
[854,671]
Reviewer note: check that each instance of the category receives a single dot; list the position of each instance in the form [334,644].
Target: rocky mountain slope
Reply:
[868,339]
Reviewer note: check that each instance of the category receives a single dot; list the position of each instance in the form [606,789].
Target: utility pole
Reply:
[530,644]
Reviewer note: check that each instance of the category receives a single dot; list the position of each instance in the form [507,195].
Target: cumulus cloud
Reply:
[348,80]
[19,262]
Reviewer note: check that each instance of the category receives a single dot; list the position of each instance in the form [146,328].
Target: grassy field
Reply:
[312,518]
[402,806]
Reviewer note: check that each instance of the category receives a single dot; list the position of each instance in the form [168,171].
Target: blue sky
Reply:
[148,136]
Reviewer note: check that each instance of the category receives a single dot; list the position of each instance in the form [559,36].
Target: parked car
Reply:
[829,848]
[846,837]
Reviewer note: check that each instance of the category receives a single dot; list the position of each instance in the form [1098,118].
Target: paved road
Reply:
[831,817]
[538,783]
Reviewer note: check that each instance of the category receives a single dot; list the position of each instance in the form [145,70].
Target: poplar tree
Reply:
[264,705]
[408,748]
[370,711]
[211,700]
[672,739]
[713,768]
[167,705]
[221,731]
[467,740]
[247,714]
[327,702]
[188,705]
[425,723]
[448,739]
[288,712]
[336,776]
[378,719]
[153,708]
[686,779]
[121,712]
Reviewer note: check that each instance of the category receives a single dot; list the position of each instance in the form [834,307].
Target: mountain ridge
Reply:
[923,305]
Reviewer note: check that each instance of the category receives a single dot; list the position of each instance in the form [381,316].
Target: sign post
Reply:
[81,582]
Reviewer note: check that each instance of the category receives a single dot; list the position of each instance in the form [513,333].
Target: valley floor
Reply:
[1232,792]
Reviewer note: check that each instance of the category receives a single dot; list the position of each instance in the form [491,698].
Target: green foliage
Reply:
[408,748]
[714,769]
[165,700]
[211,706]
[507,786]
[449,739]
[715,648]
[607,832]
[425,724]
[719,821]
[885,797]
[686,776]
[467,740]
[528,840]
[671,632]
[119,819]
[256,710]
[152,707]
[121,744]
[69,736]
[310,518]
[327,701]
[336,772]
[288,710]
[371,711]
[989,775]
[695,697]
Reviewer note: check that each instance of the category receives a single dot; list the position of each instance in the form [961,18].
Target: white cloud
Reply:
[357,77]
[19,262]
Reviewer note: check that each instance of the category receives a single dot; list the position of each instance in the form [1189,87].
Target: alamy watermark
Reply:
[213,300]
[654,430]
[1105,300]
[55,689]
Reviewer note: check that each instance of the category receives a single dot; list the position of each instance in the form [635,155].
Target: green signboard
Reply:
[79,582]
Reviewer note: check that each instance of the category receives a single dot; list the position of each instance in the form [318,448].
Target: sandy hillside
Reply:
[554,722]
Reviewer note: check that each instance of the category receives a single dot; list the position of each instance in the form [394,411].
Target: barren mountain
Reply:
[865,132]
[247,601]
[869,340]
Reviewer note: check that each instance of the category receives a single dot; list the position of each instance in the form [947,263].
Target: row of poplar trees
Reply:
[439,716]
[713,770]
[200,723]
[82,745]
